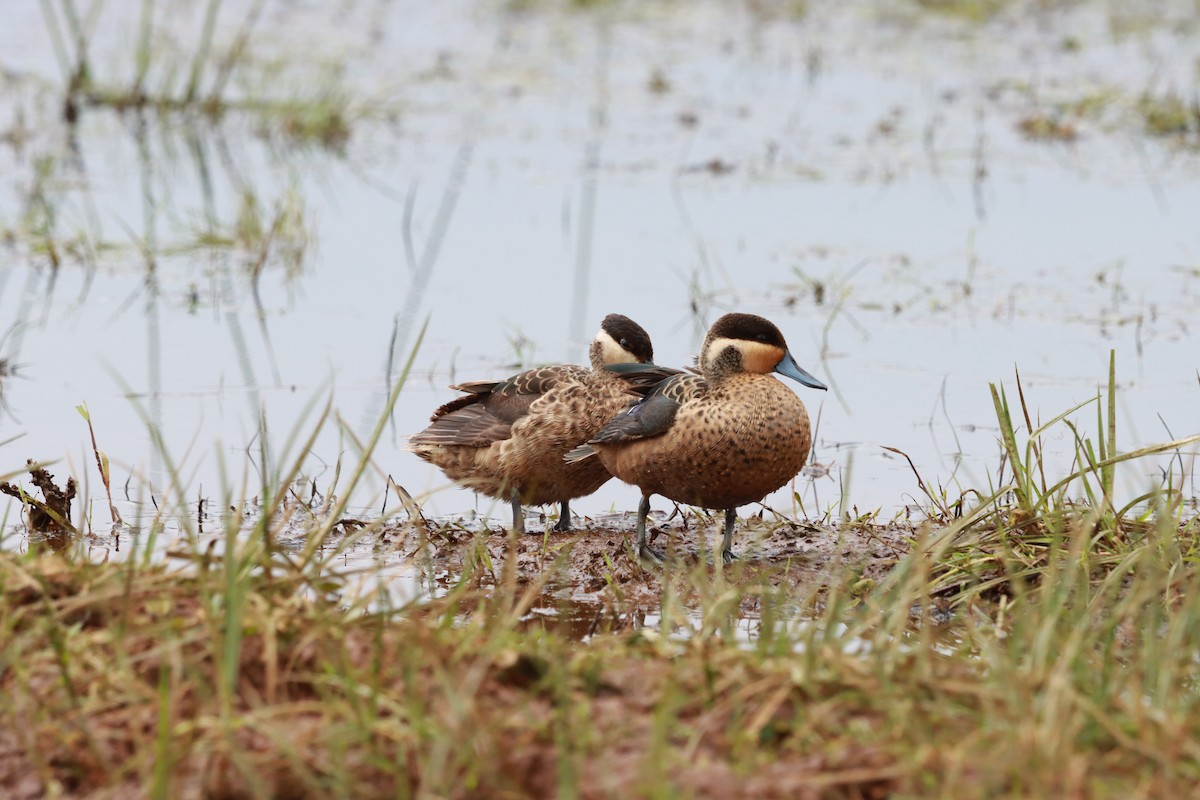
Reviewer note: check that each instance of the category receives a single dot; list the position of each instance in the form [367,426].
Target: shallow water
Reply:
[856,174]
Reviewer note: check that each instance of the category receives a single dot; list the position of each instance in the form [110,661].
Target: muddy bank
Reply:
[590,579]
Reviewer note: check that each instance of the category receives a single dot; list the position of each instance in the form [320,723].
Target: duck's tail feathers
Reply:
[581,453]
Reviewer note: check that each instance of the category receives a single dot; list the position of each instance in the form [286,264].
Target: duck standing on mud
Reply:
[726,437]
[507,439]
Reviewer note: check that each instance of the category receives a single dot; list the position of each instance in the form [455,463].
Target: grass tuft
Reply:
[1019,530]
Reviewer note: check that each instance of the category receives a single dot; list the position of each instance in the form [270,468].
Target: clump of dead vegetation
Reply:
[52,513]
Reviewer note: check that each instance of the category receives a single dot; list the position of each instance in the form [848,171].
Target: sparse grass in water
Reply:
[970,10]
[1170,116]
[175,79]
[1048,127]
[265,236]
[41,225]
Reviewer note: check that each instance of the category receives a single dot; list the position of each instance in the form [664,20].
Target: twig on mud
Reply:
[410,505]
[102,465]
[941,506]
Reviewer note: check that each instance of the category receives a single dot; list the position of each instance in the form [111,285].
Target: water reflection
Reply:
[579,620]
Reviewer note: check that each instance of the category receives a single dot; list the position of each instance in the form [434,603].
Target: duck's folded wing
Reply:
[471,425]
[476,420]
[488,411]
[650,417]
[532,381]
[645,419]
[654,414]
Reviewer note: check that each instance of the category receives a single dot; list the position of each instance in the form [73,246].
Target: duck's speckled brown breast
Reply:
[745,437]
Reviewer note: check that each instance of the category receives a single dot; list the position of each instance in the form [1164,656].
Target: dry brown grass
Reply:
[124,681]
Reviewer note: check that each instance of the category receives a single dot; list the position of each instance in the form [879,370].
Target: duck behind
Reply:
[721,439]
[507,439]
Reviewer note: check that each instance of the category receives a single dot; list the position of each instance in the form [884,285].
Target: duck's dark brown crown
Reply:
[747,327]
[629,335]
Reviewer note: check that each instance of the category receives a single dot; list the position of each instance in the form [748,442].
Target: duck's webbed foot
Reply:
[653,554]
[564,518]
[644,550]
[727,540]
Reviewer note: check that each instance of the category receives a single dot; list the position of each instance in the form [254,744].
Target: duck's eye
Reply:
[762,337]
[625,343]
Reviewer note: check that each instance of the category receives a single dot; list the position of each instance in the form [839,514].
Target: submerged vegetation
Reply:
[1172,117]
[1035,640]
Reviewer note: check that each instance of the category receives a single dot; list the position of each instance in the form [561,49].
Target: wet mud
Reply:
[590,580]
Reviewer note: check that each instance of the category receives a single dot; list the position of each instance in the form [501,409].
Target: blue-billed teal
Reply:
[507,439]
[726,437]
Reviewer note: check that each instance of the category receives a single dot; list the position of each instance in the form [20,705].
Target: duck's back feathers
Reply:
[531,381]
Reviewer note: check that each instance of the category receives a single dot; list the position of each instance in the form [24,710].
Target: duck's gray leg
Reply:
[518,525]
[564,517]
[644,549]
[727,543]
